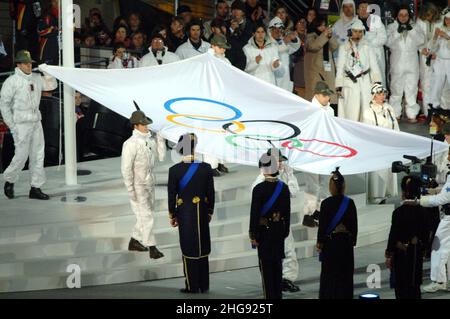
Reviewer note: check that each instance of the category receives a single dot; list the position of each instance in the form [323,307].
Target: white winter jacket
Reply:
[149,59]
[382,116]
[139,154]
[187,50]
[283,76]
[21,95]
[404,49]
[377,38]
[441,46]
[341,27]
[264,70]
[346,62]
[327,108]
[440,199]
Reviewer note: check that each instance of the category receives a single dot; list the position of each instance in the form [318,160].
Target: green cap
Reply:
[24,56]
[220,41]
[138,117]
[323,88]
[446,128]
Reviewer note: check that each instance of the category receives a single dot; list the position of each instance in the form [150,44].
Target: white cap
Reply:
[276,23]
[358,25]
[447,15]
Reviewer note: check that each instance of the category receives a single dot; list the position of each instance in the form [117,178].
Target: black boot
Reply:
[216,173]
[223,169]
[9,190]
[289,286]
[135,245]
[309,221]
[36,193]
[155,253]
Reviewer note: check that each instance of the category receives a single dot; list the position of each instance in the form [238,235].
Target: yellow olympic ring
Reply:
[170,118]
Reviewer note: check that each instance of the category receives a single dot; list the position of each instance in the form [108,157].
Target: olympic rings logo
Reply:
[290,142]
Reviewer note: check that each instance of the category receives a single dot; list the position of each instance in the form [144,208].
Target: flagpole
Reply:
[70,154]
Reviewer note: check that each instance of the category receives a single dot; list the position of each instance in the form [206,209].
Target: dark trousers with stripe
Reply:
[271,274]
[196,274]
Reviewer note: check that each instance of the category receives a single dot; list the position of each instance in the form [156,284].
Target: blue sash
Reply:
[340,213]
[267,206]
[188,176]
[336,219]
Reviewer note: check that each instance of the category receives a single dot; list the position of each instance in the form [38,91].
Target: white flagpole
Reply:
[70,156]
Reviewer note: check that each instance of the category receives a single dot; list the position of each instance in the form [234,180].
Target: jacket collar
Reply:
[20,73]
[141,135]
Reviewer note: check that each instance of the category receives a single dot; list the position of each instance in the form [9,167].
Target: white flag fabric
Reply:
[237,117]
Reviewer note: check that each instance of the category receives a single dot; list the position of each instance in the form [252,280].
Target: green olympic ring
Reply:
[230,139]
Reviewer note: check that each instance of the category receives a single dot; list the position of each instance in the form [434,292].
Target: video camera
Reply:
[425,170]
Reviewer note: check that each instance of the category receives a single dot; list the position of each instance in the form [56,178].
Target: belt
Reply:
[354,78]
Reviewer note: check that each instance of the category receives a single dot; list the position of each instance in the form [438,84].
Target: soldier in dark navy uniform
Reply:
[191,205]
[270,224]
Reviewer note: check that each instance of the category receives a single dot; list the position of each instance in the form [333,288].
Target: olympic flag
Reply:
[237,117]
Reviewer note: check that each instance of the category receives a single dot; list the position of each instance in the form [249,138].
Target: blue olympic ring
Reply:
[238,114]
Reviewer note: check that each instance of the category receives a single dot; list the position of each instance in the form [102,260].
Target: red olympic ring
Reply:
[352,151]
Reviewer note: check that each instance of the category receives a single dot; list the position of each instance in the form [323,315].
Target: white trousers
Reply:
[290,262]
[441,74]
[356,99]
[382,183]
[142,203]
[425,82]
[440,254]
[406,83]
[29,143]
[316,190]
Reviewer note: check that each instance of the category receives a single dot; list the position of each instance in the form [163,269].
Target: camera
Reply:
[428,60]
[425,170]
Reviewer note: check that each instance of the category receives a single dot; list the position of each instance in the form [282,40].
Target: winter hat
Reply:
[276,23]
[358,25]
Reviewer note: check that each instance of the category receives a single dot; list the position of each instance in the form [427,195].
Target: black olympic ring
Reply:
[296,130]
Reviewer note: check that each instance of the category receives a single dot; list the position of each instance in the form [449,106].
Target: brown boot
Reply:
[155,253]
[135,245]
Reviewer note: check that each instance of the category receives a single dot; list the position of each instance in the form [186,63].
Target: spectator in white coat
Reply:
[404,41]
[343,26]
[375,34]
[383,183]
[287,45]
[357,70]
[262,56]
[441,67]
[121,58]
[194,45]
[427,23]
[159,53]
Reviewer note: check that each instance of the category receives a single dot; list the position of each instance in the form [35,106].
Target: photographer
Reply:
[404,41]
[441,68]
[440,254]
[287,44]
[121,58]
[240,31]
[427,23]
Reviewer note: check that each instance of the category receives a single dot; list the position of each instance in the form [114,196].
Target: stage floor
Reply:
[236,284]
